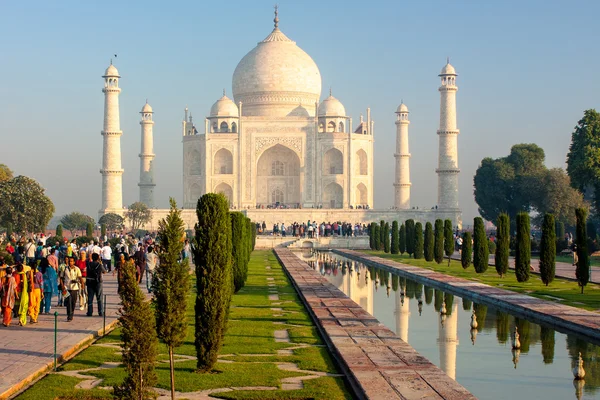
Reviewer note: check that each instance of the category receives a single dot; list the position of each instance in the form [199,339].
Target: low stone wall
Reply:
[377,363]
[331,242]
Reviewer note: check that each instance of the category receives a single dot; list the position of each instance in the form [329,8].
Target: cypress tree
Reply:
[386,237]
[481,313]
[239,249]
[395,249]
[502,244]
[438,246]
[59,231]
[138,339]
[502,327]
[402,239]
[410,236]
[466,304]
[467,250]
[376,237]
[418,241]
[170,285]
[523,249]
[448,239]
[582,272]
[381,235]
[547,336]
[429,243]
[548,250]
[89,229]
[372,235]
[102,230]
[212,256]
[428,294]
[480,246]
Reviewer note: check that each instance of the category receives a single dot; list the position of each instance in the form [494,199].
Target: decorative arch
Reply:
[226,190]
[341,127]
[223,162]
[195,167]
[333,162]
[224,128]
[215,127]
[362,196]
[195,193]
[321,127]
[233,127]
[278,169]
[331,126]
[362,165]
[333,196]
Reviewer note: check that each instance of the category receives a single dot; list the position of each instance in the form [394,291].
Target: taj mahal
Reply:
[281,154]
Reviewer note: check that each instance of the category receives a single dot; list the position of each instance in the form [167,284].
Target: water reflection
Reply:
[434,324]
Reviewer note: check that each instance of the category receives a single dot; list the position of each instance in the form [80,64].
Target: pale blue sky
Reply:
[527,70]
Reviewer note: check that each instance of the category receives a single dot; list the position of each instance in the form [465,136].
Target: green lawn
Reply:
[560,290]
[594,260]
[249,351]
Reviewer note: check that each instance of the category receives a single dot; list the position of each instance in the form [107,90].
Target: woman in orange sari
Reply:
[8,297]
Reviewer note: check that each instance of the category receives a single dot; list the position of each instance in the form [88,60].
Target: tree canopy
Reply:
[138,214]
[113,222]
[5,173]
[76,221]
[520,182]
[25,206]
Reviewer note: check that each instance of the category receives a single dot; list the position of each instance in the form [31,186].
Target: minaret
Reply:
[147,158]
[402,155]
[112,173]
[448,133]
[448,341]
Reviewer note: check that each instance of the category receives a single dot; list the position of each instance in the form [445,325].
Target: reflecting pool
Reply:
[439,326]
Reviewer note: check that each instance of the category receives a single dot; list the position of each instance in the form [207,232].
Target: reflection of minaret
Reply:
[402,312]
[447,341]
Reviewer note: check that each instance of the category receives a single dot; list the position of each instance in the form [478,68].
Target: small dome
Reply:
[402,108]
[147,108]
[331,107]
[224,107]
[111,71]
[448,70]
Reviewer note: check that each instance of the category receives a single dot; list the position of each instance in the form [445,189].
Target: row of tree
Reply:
[438,241]
[222,246]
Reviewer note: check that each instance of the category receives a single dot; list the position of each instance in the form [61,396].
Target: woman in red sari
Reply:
[8,297]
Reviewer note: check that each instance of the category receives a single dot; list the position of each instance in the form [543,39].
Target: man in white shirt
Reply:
[151,263]
[106,254]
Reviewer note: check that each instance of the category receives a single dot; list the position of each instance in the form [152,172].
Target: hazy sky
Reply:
[527,70]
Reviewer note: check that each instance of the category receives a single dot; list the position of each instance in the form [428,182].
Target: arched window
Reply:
[321,127]
[333,162]
[233,127]
[215,128]
[361,163]
[224,127]
[331,126]
[277,168]
[341,127]
[277,196]
[223,162]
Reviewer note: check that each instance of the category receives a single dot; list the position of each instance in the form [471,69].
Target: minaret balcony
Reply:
[111,171]
[448,132]
[111,133]
[447,170]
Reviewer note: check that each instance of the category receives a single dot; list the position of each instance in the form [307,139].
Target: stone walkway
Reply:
[27,352]
[378,364]
[559,316]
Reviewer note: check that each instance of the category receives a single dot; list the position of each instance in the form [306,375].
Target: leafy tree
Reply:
[410,236]
[448,239]
[503,244]
[171,284]
[582,272]
[89,229]
[480,246]
[395,247]
[59,231]
[112,221]
[467,250]
[138,339]
[583,159]
[548,250]
[102,230]
[9,230]
[523,249]
[138,214]
[554,195]
[386,237]
[418,241]
[402,239]
[76,221]
[24,205]
[376,237]
[428,245]
[5,173]
[382,233]
[212,256]
[438,246]
[239,249]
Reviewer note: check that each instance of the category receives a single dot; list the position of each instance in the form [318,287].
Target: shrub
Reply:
[523,250]
[480,246]
[582,272]
[548,250]
[448,239]
[239,250]
[402,239]
[429,242]
[438,246]
[410,236]
[395,247]
[376,237]
[503,243]
[467,250]
[418,241]
[382,233]
[386,237]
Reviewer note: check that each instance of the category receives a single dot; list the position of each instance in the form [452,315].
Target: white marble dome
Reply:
[402,108]
[146,108]
[331,107]
[111,71]
[275,77]
[448,70]
[224,107]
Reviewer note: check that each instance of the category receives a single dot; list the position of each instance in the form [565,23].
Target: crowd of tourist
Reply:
[313,230]
[64,274]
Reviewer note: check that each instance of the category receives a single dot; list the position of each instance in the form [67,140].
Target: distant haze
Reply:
[527,70]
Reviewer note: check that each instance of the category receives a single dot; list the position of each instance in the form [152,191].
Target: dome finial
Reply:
[330,90]
[276,19]
[224,92]
[447,60]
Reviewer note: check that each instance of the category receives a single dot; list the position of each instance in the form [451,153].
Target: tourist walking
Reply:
[29,251]
[50,287]
[140,262]
[52,259]
[106,256]
[72,282]
[94,284]
[151,262]
[9,287]
[23,285]
[35,298]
